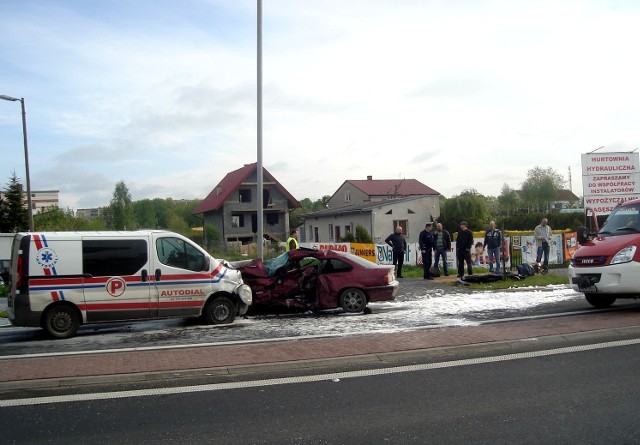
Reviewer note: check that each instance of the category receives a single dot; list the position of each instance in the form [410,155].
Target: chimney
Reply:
[369,178]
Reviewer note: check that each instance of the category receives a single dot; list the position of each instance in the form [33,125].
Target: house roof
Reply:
[365,207]
[391,187]
[231,182]
[566,195]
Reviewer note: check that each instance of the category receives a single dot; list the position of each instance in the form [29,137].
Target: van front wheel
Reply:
[600,301]
[61,322]
[220,310]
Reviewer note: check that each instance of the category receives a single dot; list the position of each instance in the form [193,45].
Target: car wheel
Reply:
[353,300]
[220,310]
[61,322]
[600,301]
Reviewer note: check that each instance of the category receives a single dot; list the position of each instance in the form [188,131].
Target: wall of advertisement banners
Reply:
[521,246]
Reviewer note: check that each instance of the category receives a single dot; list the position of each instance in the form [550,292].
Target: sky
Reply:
[458,94]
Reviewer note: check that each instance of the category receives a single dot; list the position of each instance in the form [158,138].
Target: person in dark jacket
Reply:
[492,241]
[442,244]
[425,241]
[464,243]
[399,246]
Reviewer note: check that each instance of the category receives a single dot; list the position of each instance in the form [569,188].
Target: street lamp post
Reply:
[26,155]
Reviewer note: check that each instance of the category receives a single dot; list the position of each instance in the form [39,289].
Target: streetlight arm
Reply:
[12,99]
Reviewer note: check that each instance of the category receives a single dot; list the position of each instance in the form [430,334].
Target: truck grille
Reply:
[589,261]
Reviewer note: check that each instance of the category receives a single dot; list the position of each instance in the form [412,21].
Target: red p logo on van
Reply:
[116,286]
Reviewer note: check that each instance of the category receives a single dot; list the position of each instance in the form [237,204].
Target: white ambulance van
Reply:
[606,266]
[60,280]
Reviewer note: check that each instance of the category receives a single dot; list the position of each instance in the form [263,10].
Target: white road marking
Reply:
[333,377]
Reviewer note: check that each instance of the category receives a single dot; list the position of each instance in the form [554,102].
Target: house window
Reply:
[338,234]
[390,212]
[316,236]
[273,219]
[245,195]
[310,232]
[402,223]
[347,195]
[237,220]
[331,231]
[347,229]
[410,212]
[267,201]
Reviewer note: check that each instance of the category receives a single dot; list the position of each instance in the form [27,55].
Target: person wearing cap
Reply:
[426,243]
[399,247]
[464,243]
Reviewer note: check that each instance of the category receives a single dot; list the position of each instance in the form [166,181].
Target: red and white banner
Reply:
[609,178]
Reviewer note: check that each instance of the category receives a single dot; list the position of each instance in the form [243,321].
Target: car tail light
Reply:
[388,278]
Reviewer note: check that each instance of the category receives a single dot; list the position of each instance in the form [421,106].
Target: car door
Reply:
[115,278]
[181,277]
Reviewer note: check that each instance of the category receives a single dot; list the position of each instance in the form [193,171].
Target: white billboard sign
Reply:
[609,178]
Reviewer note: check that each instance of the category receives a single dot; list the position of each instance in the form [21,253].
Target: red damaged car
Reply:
[317,279]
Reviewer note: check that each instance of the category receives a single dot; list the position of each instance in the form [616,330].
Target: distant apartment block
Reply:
[90,213]
[40,199]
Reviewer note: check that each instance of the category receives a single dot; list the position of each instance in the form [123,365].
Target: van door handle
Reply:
[145,275]
[158,274]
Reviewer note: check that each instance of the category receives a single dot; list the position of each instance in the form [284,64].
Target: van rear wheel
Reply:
[61,322]
[220,310]
[600,301]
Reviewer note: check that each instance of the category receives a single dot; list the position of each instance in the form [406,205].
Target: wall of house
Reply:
[379,221]
[416,212]
[356,196]
[350,220]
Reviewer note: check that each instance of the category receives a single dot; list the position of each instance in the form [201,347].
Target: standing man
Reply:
[492,240]
[292,241]
[426,244]
[464,243]
[399,247]
[442,241]
[542,235]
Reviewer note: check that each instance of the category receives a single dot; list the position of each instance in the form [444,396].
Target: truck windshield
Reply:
[622,221]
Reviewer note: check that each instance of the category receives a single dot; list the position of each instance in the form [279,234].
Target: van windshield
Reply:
[622,221]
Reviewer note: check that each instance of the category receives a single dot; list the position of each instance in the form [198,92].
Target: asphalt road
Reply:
[587,397]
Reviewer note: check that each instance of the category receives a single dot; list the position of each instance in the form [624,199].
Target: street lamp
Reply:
[26,155]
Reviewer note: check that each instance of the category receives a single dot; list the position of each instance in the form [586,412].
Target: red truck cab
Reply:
[606,266]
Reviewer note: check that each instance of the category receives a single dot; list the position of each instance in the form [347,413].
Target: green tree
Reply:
[145,214]
[469,206]
[56,219]
[540,187]
[14,217]
[348,238]
[362,235]
[508,199]
[121,208]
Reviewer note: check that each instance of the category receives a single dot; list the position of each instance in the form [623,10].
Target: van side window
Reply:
[108,258]
[175,252]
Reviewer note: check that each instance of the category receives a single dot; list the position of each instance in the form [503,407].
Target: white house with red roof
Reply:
[379,205]
[231,206]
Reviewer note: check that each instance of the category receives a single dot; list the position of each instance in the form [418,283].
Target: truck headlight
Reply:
[624,255]
[244,292]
